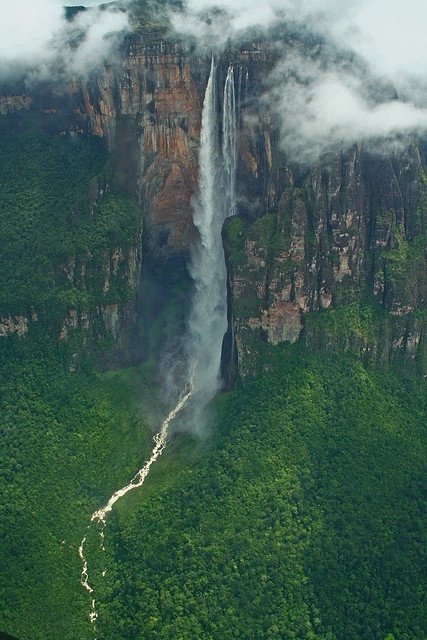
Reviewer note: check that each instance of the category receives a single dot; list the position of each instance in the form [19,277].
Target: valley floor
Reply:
[298,516]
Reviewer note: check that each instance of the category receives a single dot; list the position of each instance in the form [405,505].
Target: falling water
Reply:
[208,314]
[229,146]
[207,319]
[239,88]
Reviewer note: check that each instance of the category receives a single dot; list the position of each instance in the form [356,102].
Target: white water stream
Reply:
[160,440]
[208,315]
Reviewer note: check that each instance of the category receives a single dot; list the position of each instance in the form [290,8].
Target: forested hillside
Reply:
[70,234]
[68,439]
[299,516]
[304,518]
[68,435]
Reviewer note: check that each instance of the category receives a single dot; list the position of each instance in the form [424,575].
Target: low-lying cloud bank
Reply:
[38,41]
[324,105]
[330,97]
[326,97]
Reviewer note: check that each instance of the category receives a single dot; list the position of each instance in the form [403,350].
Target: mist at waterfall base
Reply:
[199,358]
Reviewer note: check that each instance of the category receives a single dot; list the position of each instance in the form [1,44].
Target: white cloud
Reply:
[26,29]
[322,103]
[83,3]
[389,35]
[35,37]
[324,106]
[100,29]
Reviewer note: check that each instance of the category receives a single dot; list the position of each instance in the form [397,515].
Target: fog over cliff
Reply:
[37,40]
[328,94]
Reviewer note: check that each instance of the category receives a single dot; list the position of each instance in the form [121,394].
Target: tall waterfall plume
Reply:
[229,142]
[208,313]
[215,202]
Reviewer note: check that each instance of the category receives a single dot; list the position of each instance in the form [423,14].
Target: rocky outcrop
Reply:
[113,290]
[17,325]
[10,103]
[148,108]
[13,325]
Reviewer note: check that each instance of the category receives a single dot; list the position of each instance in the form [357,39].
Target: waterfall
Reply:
[239,88]
[229,142]
[208,314]
[215,202]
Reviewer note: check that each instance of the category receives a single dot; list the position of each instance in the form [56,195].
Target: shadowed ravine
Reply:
[208,313]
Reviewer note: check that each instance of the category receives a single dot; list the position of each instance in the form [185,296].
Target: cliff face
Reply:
[111,313]
[349,232]
[149,110]
[334,255]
